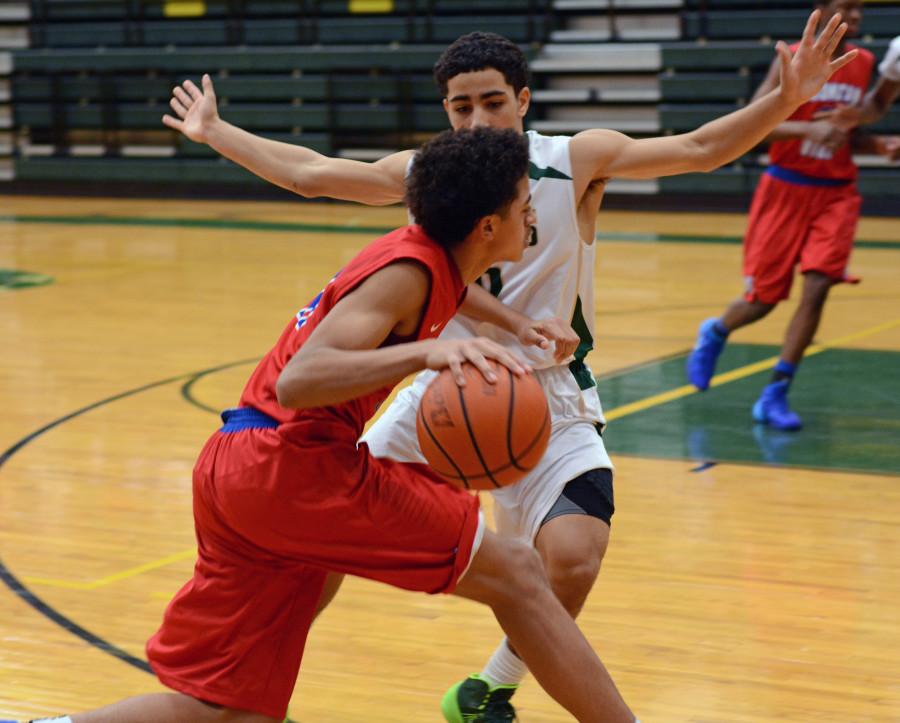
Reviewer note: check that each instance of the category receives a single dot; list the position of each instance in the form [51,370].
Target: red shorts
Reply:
[792,223]
[273,515]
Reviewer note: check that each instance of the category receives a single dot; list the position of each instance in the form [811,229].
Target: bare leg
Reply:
[508,576]
[805,322]
[742,312]
[168,708]
[572,548]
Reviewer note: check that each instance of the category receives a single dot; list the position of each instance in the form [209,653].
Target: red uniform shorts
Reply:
[273,514]
[793,223]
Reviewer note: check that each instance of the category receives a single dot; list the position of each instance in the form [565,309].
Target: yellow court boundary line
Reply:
[116,577]
[735,374]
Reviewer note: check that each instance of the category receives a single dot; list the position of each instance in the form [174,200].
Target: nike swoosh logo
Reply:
[435,327]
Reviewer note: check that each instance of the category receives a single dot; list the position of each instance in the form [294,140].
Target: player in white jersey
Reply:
[483,79]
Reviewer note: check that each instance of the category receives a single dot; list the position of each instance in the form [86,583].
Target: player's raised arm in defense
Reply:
[600,154]
[293,167]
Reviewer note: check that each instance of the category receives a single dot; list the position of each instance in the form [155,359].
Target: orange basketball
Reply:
[483,436]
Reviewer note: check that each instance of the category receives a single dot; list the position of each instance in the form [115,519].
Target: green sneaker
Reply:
[473,700]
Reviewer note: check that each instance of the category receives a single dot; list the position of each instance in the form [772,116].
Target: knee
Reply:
[573,578]
[815,289]
[525,575]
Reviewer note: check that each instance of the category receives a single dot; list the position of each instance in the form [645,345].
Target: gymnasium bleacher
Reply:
[83,83]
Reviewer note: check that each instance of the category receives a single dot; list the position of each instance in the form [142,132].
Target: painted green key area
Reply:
[849,401]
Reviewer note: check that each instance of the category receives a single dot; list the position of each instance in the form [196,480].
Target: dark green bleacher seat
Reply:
[121,9]
[418,58]
[133,170]
[694,87]
[747,4]
[783,24]
[281,88]
[254,117]
[205,32]
[733,54]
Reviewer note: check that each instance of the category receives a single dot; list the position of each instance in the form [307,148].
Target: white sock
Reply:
[504,667]
[64,719]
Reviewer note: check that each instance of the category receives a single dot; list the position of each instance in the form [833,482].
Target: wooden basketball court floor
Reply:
[752,575]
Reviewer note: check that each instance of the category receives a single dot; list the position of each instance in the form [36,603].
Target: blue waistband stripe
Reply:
[236,420]
[784,174]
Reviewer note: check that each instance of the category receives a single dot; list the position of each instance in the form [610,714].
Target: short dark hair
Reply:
[480,51]
[462,176]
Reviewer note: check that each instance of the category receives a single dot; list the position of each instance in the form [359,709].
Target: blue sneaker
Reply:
[701,362]
[772,408]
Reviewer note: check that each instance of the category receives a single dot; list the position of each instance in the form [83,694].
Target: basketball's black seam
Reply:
[442,450]
[525,451]
[509,420]
[540,434]
[462,403]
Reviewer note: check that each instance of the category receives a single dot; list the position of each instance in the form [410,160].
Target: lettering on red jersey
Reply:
[307,311]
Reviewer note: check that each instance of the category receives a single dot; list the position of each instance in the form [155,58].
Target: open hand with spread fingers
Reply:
[804,72]
[196,110]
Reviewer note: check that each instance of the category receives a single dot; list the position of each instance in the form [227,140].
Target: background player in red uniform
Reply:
[804,212]
[283,494]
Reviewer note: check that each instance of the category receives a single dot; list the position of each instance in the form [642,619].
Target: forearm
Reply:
[865,143]
[483,306]
[788,131]
[729,137]
[325,376]
[276,162]
[306,172]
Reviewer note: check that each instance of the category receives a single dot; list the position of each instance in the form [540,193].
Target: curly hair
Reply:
[459,177]
[480,51]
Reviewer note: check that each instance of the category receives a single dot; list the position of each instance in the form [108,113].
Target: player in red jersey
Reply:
[283,495]
[804,212]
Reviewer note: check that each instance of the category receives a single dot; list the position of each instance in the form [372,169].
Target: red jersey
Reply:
[446,294]
[846,87]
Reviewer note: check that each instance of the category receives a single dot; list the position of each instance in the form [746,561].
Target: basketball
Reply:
[483,436]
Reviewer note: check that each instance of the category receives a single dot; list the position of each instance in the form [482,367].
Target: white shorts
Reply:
[575,447]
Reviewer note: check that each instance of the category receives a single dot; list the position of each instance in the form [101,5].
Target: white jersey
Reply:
[554,278]
[890,66]
[556,274]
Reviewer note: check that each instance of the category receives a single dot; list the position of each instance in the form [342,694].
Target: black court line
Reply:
[187,389]
[19,588]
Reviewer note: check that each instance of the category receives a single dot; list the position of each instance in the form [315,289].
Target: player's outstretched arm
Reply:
[295,168]
[600,154]
[342,360]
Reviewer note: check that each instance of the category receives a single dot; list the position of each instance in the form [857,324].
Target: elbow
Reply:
[283,393]
[308,182]
[700,157]
[707,159]
[288,392]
